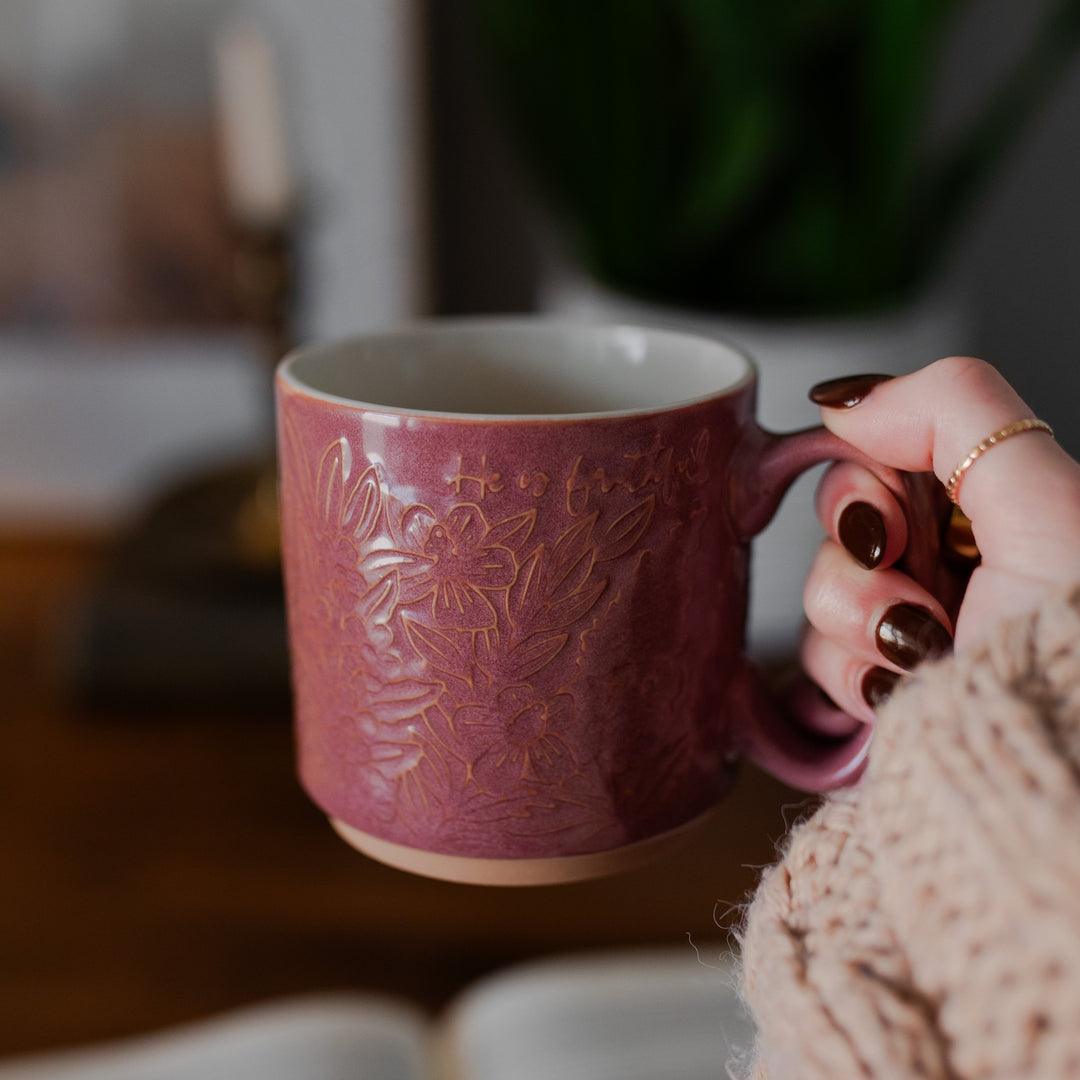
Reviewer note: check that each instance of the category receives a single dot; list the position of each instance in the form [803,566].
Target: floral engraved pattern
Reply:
[515,740]
[447,641]
[457,563]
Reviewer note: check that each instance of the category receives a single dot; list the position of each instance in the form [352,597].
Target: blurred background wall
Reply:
[410,199]
[1020,254]
[127,353]
[1016,258]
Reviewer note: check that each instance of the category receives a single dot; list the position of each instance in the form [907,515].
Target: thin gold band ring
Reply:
[952,486]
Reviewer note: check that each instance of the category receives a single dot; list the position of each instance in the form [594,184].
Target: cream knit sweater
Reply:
[927,922]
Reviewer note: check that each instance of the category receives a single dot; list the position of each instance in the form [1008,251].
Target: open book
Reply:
[641,1015]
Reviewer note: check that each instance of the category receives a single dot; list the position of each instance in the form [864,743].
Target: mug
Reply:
[517,561]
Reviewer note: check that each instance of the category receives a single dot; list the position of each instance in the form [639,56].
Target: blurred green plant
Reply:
[755,156]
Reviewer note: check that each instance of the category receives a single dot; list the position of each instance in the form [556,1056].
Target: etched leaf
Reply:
[404,699]
[396,757]
[439,728]
[439,649]
[571,579]
[573,543]
[334,470]
[534,653]
[524,595]
[375,565]
[363,505]
[697,471]
[512,532]
[625,531]
[567,611]
[377,604]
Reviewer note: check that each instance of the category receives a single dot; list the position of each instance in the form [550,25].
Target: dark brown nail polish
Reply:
[862,531]
[907,635]
[845,392]
[877,686]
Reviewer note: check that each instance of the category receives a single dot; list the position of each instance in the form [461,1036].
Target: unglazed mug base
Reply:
[559,870]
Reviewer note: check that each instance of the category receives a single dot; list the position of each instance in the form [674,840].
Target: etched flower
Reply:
[517,739]
[452,562]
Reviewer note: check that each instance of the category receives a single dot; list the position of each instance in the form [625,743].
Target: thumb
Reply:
[1022,495]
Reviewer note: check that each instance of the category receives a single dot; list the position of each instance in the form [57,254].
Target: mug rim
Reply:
[436,326]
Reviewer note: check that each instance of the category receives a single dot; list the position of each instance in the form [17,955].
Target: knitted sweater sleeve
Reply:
[927,922]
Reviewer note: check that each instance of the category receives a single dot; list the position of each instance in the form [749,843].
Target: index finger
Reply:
[931,419]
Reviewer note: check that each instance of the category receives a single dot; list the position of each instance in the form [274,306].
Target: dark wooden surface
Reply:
[158,866]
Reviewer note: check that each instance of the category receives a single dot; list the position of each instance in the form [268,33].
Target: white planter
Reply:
[792,355]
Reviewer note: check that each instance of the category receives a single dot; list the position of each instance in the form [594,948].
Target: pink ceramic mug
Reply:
[517,561]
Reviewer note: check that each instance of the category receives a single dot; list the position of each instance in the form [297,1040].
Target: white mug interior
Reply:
[519,369]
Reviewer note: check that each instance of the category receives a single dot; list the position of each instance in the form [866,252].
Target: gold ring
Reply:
[1007,432]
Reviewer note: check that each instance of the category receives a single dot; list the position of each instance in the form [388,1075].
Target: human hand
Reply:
[869,621]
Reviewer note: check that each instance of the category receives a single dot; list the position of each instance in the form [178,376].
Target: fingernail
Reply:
[845,392]
[862,531]
[877,686]
[907,635]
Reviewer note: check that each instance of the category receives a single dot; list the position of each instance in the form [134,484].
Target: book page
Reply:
[648,1015]
[332,1037]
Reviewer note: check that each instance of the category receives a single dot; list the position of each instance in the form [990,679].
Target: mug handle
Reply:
[793,739]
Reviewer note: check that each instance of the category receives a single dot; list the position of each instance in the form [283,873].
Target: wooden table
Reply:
[160,866]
